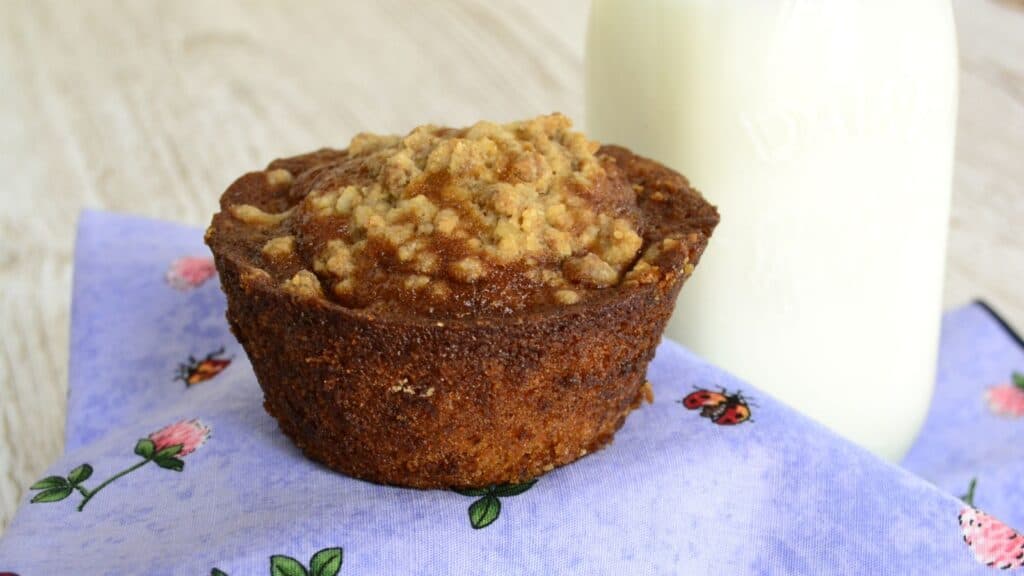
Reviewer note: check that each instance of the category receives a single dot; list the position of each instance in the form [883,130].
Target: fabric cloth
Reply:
[173,467]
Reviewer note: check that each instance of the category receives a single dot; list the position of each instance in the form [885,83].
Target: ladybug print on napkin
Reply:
[200,370]
[720,407]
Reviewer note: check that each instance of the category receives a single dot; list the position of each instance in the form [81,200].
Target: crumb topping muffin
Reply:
[489,219]
[409,303]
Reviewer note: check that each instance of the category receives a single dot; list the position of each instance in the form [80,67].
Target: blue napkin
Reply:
[173,467]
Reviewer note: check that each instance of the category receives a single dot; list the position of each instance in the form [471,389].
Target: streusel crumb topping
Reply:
[493,216]
[460,205]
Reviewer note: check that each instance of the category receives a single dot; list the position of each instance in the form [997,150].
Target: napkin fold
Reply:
[173,467]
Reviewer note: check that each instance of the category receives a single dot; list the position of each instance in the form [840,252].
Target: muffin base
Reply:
[434,404]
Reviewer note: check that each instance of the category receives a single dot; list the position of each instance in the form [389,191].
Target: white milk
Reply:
[823,130]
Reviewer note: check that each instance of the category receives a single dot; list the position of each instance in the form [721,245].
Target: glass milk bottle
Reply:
[823,130]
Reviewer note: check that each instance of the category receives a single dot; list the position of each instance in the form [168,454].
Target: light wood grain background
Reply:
[154,107]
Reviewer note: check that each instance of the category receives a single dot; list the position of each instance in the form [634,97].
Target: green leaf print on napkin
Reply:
[326,562]
[53,494]
[286,566]
[486,509]
[80,474]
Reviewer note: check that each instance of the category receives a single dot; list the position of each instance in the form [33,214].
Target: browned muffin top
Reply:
[489,219]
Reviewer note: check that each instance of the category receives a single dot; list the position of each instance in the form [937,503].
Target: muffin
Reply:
[456,307]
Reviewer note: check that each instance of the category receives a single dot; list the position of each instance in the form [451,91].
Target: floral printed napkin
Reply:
[172,466]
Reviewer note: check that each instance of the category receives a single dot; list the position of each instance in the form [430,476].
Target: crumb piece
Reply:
[278,248]
[567,296]
[405,387]
[467,270]
[252,215]
[416,281]
[252,275]
[647,391]
[304,283]
[279,178]
[591,270]
[344,287]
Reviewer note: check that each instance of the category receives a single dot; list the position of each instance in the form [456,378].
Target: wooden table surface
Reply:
[154,107]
